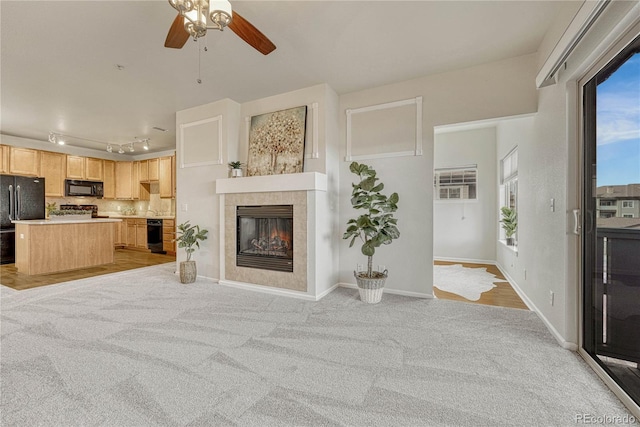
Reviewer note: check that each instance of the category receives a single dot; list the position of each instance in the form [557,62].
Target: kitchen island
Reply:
[44,246]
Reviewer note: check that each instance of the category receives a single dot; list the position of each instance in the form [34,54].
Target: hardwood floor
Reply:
[124,260]
[503,295]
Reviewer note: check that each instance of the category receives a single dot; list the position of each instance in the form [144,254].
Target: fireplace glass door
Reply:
[265,237]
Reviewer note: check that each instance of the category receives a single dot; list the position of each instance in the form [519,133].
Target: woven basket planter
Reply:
[188,272]
[371,288]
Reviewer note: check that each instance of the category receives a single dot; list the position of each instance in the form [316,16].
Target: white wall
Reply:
[549,167]
[497,89]
[466,229]
[196,185]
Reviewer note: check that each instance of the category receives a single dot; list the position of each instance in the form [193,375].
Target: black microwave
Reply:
[75,188]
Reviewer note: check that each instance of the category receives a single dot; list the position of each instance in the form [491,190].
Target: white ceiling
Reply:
[58,59]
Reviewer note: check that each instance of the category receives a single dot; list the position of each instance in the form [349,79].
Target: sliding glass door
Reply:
[611,224]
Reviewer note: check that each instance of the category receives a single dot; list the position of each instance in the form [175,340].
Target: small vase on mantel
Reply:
[236,169]
[236,173]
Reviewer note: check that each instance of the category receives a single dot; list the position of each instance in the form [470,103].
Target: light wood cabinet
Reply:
[154,171]
[131,233]
[24,161]
[144,170]
[109,181]
[75,167]
[93,169]
[52,168]
[136,233]
[168,234]
[141,234]
[119,236]
[124,175]
[166,178]
[128,182]
[4,159]
[86,168]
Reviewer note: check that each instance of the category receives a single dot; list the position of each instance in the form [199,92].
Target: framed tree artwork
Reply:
[276,142]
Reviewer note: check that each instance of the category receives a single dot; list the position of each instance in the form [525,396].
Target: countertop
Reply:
[73,221]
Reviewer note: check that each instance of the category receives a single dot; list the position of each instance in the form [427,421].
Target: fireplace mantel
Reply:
[305,181]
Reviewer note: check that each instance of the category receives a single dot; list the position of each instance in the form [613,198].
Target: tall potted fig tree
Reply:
[376,226]
[189,236]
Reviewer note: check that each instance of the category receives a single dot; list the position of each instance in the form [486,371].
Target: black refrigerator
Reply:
[21,197]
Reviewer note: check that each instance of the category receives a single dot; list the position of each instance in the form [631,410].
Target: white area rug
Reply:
[469,283]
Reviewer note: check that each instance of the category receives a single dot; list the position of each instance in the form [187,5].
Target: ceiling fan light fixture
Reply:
[220,13]
[109,148]
[61,141]
[131,149]
[146,145]
[53,138]
[120,150]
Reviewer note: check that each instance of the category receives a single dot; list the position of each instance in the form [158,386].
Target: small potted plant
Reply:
[509,224]
[375,227]
[236,169]
[187,237]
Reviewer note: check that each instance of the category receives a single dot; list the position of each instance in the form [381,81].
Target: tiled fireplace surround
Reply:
[305,191]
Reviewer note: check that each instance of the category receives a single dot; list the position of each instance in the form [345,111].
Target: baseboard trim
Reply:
[563,343]
[390,291]
[276,291]
[466,260]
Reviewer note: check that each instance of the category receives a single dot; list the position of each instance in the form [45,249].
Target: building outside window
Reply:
[627,203]
[458,183]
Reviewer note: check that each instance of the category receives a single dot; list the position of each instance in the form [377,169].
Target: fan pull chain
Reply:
[199,80]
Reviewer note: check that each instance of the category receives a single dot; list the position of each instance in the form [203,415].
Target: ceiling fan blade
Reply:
[177,36]
[251,34]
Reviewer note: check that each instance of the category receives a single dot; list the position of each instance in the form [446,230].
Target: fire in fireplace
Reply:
[265,237]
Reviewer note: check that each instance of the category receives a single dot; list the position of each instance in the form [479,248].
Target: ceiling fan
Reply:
[193,16]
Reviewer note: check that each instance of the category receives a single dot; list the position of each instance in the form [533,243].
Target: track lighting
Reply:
[60,139]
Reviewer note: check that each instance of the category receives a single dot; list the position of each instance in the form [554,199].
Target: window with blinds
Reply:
[456,183]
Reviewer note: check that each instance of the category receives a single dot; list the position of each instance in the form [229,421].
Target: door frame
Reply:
[581,180]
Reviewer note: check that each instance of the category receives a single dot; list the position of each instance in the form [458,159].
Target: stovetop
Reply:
[92,208]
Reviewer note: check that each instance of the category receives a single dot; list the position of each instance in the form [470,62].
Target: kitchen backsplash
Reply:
[154,205]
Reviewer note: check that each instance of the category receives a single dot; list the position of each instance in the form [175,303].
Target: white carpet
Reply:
[138,349]
[469,283]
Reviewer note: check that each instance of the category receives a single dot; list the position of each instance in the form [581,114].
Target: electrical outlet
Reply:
[119,207]
[552,204]
[360,267]
[551,297]
[185,207]
[525,274]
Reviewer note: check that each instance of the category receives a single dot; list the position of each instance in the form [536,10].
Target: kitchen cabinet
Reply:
[154,171]
[93,169]
[136,233]
[144,170]
[109,181]
[4,159]
[166,177]
[75,167]
[141,233]
[86,168]
[124,174]
[24,161]
[138,190]
[52,167]
[168,234]
[128,185]
[120,237]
